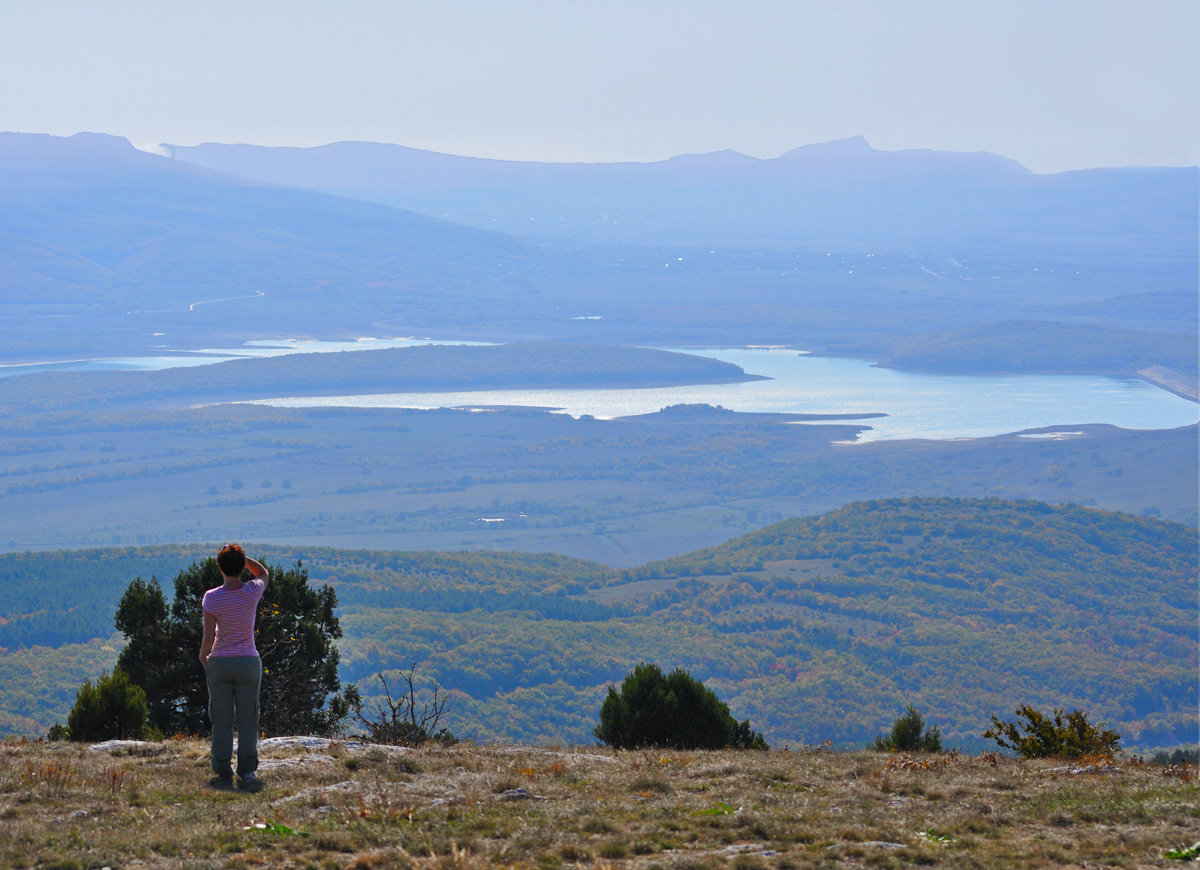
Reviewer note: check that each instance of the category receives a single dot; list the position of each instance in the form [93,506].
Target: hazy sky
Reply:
[1056,84]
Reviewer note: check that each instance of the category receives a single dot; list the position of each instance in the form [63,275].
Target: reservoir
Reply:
[917,405]
[207,356]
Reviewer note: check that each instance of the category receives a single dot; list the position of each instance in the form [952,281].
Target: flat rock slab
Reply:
[348,786]
[300,742]
[308,743]
[878,844]
[1084,770]
[283,763]
[294,743]
[558,753]
[517,794]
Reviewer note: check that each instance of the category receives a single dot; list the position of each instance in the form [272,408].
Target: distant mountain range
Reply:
[92,228]
[844,196]
[367,165]
[109,250]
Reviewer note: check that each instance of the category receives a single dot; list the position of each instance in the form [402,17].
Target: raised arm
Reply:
[259,572]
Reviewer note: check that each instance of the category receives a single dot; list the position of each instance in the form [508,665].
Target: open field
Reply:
[341,805]
[620,492]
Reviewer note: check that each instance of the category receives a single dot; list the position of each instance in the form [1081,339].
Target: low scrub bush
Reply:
[1179,756]
[112,708]
[1060,735]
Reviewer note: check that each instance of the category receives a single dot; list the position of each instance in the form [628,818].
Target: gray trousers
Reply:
[233,683]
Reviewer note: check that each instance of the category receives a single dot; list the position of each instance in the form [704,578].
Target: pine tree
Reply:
[295,629]
[909,734]
[674,710]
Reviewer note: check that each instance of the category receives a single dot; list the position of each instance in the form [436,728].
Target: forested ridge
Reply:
[68,596]
[1038,346]
[814,628]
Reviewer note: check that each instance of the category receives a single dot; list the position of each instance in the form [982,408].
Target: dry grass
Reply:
[149,806]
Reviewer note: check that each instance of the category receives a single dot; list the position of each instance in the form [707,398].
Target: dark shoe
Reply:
[250,782]
[222,783]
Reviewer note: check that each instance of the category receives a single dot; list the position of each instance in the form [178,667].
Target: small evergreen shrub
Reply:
[1179,756]
[1062,735]
[673,710]
[112,708]
[909,734]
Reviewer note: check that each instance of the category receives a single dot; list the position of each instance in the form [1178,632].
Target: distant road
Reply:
[1173,380]
[254,295]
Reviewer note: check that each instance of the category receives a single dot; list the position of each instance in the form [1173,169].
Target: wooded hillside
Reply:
[816,628]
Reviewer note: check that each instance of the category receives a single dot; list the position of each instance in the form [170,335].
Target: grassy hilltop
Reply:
[335,806]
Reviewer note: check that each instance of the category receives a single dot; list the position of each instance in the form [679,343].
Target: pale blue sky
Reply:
[1055,84]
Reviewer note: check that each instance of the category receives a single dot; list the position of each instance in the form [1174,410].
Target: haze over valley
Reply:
[149,301]
[132,251]
[670,436]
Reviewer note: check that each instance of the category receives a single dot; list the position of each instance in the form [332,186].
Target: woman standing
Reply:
[232,666]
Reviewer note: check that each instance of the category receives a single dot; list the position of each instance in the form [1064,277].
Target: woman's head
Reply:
[231,560]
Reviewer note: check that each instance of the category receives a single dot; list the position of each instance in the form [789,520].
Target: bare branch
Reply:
[402,723]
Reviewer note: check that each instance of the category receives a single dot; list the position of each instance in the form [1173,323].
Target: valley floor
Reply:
[333,805]
[621,492]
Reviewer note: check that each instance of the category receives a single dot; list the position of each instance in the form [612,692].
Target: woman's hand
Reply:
[257,570]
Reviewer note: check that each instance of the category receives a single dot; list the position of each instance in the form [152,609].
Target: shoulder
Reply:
[210,598]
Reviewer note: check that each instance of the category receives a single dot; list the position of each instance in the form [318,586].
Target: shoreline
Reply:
[1171,380]
[202,401]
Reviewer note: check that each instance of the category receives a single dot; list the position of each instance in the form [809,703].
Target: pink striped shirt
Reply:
[234,610]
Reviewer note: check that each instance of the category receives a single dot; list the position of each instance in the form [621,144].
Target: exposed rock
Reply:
[1083,770]
[582,756]
[301,742]
[517,794]
[303,761]
[108,745]
[345,787]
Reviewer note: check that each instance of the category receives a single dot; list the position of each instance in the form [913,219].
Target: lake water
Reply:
[918,405]
[207,356]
